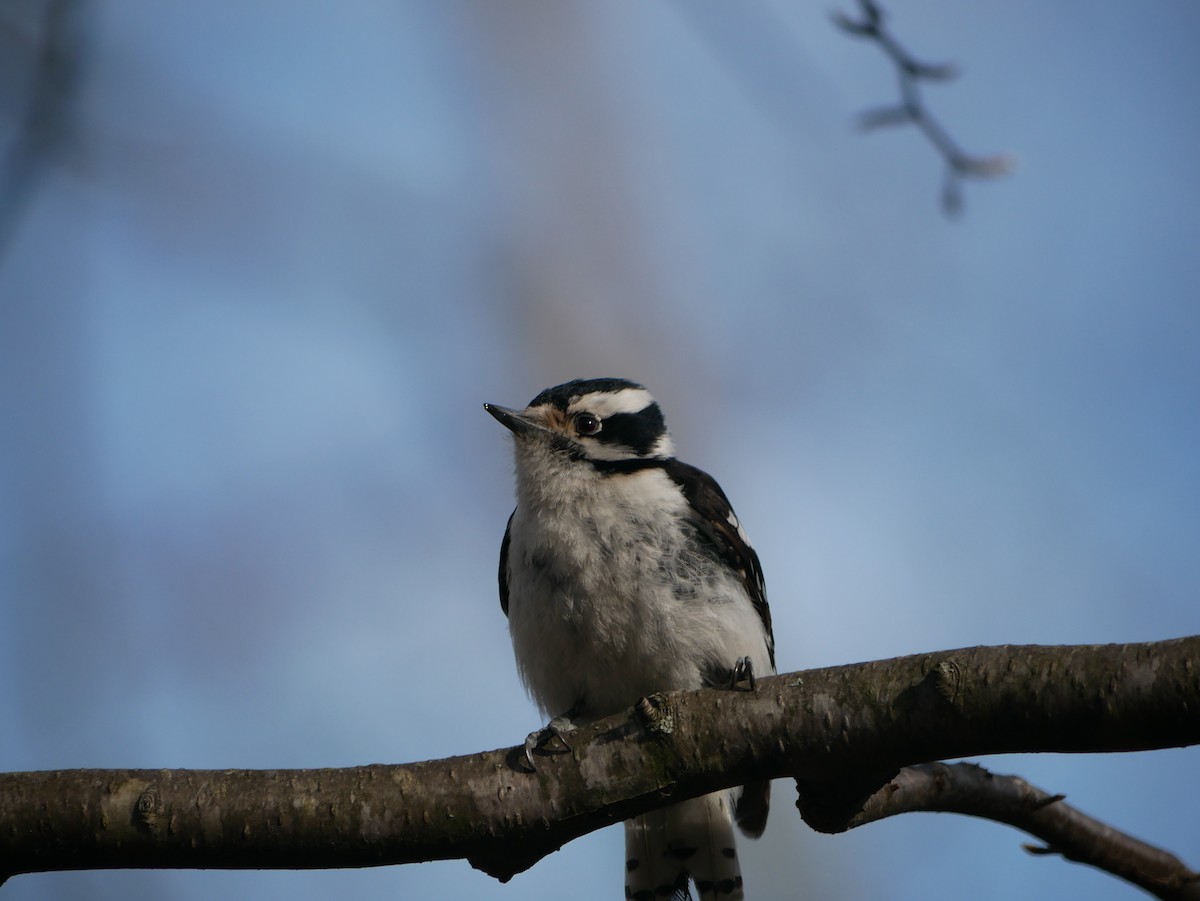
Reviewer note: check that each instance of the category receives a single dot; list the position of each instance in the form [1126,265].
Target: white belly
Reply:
[620,609]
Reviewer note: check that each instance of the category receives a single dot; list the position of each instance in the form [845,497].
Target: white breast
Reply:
[610,598]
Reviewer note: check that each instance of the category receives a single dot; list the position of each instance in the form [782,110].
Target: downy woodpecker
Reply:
[624,572]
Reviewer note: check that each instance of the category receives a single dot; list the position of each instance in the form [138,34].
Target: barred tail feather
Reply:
[690,839]
[701,832]
[651,874]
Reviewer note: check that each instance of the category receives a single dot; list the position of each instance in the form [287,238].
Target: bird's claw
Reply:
[559,727]
[743,671]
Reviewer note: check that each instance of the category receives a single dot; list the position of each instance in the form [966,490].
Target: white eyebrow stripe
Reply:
[607,403]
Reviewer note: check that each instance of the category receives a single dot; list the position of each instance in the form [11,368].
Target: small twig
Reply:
[970,789]
[911,109]
[47,119]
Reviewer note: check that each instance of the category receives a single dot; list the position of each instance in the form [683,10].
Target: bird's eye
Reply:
[586,424]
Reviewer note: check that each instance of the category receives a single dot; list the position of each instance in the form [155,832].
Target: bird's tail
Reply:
[692,839]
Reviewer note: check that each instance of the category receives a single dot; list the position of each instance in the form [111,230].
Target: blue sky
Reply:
[252,505]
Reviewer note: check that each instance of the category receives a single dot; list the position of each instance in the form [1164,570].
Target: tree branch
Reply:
[48,118]
[911,108]
[848,725]
[970,789]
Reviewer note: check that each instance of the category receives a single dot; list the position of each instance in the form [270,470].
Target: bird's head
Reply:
[612,424]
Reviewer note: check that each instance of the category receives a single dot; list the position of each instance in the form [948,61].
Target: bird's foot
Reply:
[559,727]
[743,671]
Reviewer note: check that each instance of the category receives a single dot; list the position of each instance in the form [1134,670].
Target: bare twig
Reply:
[967,788]
[860,719]
[48,115]
[911,108]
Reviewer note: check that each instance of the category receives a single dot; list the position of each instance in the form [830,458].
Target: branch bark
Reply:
[970,789]
[848,726]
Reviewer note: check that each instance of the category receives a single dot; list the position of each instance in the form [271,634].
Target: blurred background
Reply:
[261,264]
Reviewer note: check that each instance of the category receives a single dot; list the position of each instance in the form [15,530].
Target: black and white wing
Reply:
[503,574]
[718,523]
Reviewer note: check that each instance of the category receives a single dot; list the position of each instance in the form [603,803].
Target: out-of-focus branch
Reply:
[911,108]
[47,118]
[838,726]
[967,788]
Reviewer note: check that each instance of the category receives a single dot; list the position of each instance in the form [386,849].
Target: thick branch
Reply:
[967,788]
[867,718]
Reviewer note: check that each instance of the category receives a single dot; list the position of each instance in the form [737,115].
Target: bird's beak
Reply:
[515,421]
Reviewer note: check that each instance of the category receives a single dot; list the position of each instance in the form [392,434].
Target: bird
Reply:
[624,572]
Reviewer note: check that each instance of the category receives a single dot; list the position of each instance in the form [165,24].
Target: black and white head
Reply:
[608,425]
